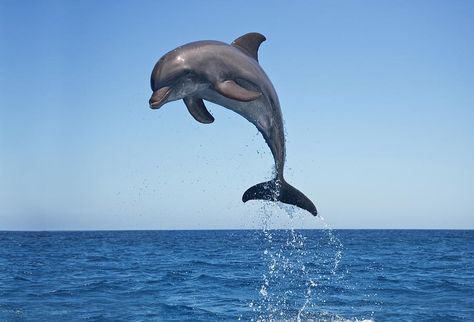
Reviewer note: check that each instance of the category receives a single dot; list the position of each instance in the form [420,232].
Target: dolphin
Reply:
[230,76]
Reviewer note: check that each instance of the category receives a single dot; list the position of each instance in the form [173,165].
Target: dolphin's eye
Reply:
[188,73]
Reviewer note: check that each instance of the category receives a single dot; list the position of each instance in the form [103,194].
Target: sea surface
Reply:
[231,275]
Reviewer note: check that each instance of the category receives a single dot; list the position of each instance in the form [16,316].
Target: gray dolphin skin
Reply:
[230,76]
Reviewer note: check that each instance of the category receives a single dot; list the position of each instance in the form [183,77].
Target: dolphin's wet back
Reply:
[230,76]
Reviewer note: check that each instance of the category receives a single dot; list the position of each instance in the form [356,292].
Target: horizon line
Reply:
[219,229]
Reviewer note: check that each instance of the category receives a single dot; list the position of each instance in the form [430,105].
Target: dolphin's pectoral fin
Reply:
[249,43]
[279,190]
[198,110]
[232,90]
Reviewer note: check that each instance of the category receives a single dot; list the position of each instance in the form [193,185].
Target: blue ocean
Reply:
[231,275]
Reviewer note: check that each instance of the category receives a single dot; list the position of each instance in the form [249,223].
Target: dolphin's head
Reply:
[171,79]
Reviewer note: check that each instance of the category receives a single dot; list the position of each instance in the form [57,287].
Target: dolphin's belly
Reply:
[258,112]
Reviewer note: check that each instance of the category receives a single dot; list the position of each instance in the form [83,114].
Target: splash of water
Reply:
[297,275]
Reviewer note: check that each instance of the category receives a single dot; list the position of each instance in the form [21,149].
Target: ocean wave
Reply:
[224,276]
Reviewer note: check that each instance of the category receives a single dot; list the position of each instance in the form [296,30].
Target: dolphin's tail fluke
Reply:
[279,190]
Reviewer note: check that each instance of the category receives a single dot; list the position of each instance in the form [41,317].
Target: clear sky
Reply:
[377,99]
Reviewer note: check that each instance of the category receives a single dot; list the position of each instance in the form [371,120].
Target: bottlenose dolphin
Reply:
[230,76]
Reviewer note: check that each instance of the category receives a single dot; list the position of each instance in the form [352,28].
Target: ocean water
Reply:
[231,275]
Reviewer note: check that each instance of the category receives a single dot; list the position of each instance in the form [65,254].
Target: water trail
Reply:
[297,270]
[334,242]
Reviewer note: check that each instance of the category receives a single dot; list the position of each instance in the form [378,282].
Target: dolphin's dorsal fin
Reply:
[249,43]
[198,110]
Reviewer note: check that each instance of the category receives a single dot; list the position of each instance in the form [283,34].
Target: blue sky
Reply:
[377,99]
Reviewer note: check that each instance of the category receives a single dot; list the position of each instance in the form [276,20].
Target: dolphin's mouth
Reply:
[158,98]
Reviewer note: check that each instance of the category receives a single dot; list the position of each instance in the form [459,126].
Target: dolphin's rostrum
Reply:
[230,76]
